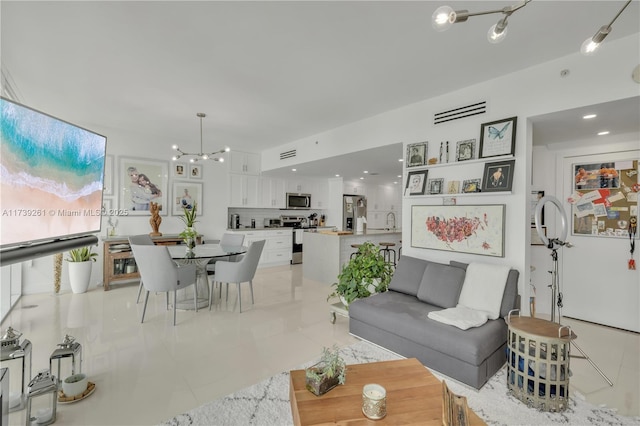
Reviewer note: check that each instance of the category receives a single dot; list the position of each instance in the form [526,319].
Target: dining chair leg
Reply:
[211,288]
[227,292]
[251,287]
[139,293]
[239,297]
[168,301]
[175,302]
[144,309]
[195,295]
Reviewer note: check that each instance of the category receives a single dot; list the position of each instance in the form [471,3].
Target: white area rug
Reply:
[267,402]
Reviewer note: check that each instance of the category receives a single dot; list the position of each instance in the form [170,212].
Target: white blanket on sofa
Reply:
[460,316]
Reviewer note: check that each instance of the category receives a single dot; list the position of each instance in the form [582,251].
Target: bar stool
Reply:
[386,252]
[355,253]
[400,250]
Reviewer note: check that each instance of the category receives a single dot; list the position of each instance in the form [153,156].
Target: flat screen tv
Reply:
[52,175]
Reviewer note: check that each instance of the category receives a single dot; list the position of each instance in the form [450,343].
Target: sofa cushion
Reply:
[408,274]
[441,285]
[510,297]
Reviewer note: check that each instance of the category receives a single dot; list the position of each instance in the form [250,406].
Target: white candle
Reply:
[374,391]
[43,415]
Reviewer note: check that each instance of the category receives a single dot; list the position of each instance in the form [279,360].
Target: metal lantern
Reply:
[69,348]
[16,357]
[42,399]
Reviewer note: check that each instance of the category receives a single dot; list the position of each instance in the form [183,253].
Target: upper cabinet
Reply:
[299,186]
[245,163]
[320,194]
[384,198]
[355,188]
[243,190]
[272,193]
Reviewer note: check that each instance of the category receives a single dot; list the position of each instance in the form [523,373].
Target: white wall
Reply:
[534,91]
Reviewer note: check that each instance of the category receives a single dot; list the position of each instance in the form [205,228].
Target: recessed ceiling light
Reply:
[361,178]
[606,132]
[395,183]
[400,160]
[366,171]
[588,116]
[337,175]
[293,170]
[399,175]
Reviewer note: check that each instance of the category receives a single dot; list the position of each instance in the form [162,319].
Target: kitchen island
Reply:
[325,253]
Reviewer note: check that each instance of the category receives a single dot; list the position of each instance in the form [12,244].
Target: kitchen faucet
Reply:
[393,216]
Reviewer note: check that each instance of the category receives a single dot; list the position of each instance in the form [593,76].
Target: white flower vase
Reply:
[80,276]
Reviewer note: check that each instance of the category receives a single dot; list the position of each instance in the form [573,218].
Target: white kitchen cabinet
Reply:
[320,194]
[272,192]
[355,188]
[243,191]
[299,186]
[278,245]
[244,163]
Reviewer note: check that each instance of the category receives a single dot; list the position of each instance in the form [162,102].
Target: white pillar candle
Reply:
[374,402]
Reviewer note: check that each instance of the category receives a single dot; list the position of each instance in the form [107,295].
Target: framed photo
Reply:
[498,138]
[596,176]
[498,176]
[143,181]
[435,186]
[195,171]
[416,182]
[475,229]
[453,187]
[417,154]
[179,170]
[185,195]
[471,185]
[535,238]
[535,197]
[107,187]
[465,150]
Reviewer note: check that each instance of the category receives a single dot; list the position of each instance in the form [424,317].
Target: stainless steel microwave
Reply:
[298,201]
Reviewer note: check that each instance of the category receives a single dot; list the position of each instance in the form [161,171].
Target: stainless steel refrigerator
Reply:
[353,207]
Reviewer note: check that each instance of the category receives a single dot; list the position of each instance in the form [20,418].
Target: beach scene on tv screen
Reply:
[52,176]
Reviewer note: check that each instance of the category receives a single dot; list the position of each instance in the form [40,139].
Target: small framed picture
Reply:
[471,185]
[179,170]
[416,182]
[453,187]
[498,176]
[185,196]
[535,238]
[498,138]
[535,197]
[465,150]
[195,171]
[416,154]
[435,186]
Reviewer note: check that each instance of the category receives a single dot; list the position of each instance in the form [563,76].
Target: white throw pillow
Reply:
[483,288]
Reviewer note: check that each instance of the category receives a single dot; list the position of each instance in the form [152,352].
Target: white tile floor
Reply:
[147,373]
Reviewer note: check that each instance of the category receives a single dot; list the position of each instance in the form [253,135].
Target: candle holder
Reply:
[374,401]
[69,348]
[42,399]
[16,357]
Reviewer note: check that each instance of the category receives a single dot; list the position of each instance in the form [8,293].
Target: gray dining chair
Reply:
[228,239]
[141,240]
[239,272]
[160,273]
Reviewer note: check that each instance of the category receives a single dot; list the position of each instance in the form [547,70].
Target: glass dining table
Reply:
[200,256]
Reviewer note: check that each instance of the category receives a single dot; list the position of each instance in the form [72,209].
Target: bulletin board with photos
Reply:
[604,198]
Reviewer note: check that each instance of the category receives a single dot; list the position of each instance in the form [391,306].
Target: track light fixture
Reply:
[200,155]
[445,16]
[591,45]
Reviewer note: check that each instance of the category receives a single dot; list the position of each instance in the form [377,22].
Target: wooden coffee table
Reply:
[414,395]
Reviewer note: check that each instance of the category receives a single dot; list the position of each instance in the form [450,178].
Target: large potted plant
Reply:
[189,234]
[80,263]
[366,273]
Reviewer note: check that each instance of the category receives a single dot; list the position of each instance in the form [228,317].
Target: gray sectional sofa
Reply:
[397,320]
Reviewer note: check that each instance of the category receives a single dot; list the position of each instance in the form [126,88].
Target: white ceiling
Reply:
[267,73]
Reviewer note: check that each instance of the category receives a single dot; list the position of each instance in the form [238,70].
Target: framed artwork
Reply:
[185,194]
[416,154]
[195,171]
[453,187]
[596,176]
[535,238]
[465,150]
[416,182]
[498,138]
[498,176]
[471,185]
[435,186]
[535,197]
[143,181]
[107,187]
[475,229]
[178,170]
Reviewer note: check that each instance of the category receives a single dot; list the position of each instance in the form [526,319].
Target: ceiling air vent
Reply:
[458,113]
[287,154]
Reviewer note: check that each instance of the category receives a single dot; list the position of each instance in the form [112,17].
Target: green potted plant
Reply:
[80,261]
[189,234]
[366,273]
[327,373]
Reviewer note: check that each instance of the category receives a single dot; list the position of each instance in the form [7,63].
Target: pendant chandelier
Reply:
[199,155]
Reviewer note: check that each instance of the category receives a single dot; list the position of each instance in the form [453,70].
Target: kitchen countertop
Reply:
[367,232]
[262,228]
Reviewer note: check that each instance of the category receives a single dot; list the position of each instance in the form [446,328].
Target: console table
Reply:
[119,264]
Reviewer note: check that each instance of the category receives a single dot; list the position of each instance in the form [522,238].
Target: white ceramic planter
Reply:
[79,276]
